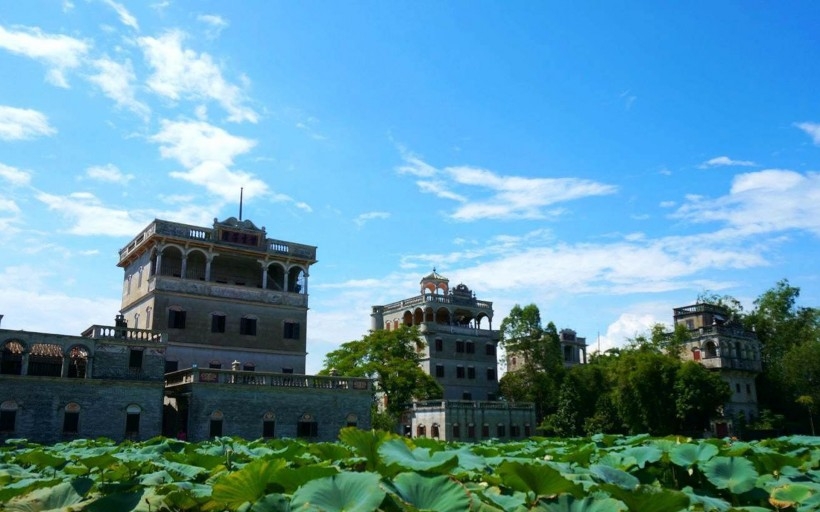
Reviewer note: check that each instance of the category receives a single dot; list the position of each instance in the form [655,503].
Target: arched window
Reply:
[421,430]
[132,420]
[71,418]
[434,432]
[352,420]
[77,362]
[45,359]
[8,416]
[215,428]
[710,349]
[307,426]
[269,424]
[11,358]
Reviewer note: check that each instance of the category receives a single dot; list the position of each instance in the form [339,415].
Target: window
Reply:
[215,365]
[527,430]
[748,389]
[247,326]
[460,346]
[491,397]
[11,358]
[439,345]
[471,431]
[291,331]
[171,366]
[421,431]
[307,426]
[45,360]
[71,419]
[439,370]
[470,346]
[352,420]
[434,431]
[8,416]
[78,362]
[459,372]
[132,420]
[287,370]
[176,318]
[500,430]
[490,349]
[217,323]
[737,387]
[515,431]
[466,395]
[269,425]
[485,430]
[690,324]
[135,359]
[215,427]
[471,372]
[491,374]
[249,367]
[456,431]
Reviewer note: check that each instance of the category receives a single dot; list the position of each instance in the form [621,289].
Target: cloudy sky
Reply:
[605,161]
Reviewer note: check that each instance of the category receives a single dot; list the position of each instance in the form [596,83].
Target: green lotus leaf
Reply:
[365,442]
[707,503]
[349,492]
[643,454]
[268,503]
[397,452]
[247,484]
[289,479]
[145,500]
[329,451]
[567,503]
[440,493]
[790,495]
[24,486]
[614,476]
[49,498]
[509,502]
[649,499]
[736,474]
[41,459]
[689,454]
[539,479]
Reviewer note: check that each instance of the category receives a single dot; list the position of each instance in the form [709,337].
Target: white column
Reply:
[264,265]
[158,270]
[184,270]
[208,267]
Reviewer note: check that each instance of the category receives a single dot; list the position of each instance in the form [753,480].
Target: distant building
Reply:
[461,353]
[725,346]
[217,346]
[573,351]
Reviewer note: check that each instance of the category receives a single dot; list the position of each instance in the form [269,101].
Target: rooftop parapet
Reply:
[265,379]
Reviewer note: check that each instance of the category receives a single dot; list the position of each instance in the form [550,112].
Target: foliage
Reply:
[374,471]
[392,359]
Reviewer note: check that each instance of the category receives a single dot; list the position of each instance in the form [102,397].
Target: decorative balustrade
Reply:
[438,299]
[431,327]
[252,378]
[202,234]
[226,291]
[470,404]
[99,332]
[751,365]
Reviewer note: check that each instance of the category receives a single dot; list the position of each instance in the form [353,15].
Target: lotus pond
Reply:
[369,470]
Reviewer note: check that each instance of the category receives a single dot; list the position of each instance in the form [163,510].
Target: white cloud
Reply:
[23,123]
[505,197]
[109,173]
[762,202]
[125,17]
[58,52]
[720,161]
[215,23]
[14,175]
[90,217]
[364,217]
[627,327]
[219,180]
[195,142]
[182,73]
[116,80]
[812,129]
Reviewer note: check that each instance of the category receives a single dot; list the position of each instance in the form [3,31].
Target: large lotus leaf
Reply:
[614,476]
[618,460]
[508,502]
[397,452]
[469,461]
[580,455]
[11,472]
[49,498]
[648,499]
[365,442]
[771,462]
[145,500]
[440,493]
[155,478]
[687,455]
[180,470]
[536,478]
[733,473]
[268,503]
[247,484]
[329,451]
[24,486]
[643,454]
[101,462]
[194,458]
[567,503]
[41,459]
[790,495]
[349,492]
[288,479]
[706,503]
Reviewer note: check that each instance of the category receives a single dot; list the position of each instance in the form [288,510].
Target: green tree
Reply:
[699,393]
[566,421]
[392,359]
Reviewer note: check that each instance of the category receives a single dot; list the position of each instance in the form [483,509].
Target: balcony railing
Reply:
[431,327]
[262,379]
[99,332]
[226,291]
[470,404]
[433,299]
[750,365]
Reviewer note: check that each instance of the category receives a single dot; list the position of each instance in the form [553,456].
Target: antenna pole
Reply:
[241,189]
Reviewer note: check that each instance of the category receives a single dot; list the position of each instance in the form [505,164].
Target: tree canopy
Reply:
[392,359]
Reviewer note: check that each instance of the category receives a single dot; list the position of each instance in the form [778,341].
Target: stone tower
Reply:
[225,294]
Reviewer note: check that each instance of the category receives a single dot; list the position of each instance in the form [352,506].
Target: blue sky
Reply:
[606,161]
